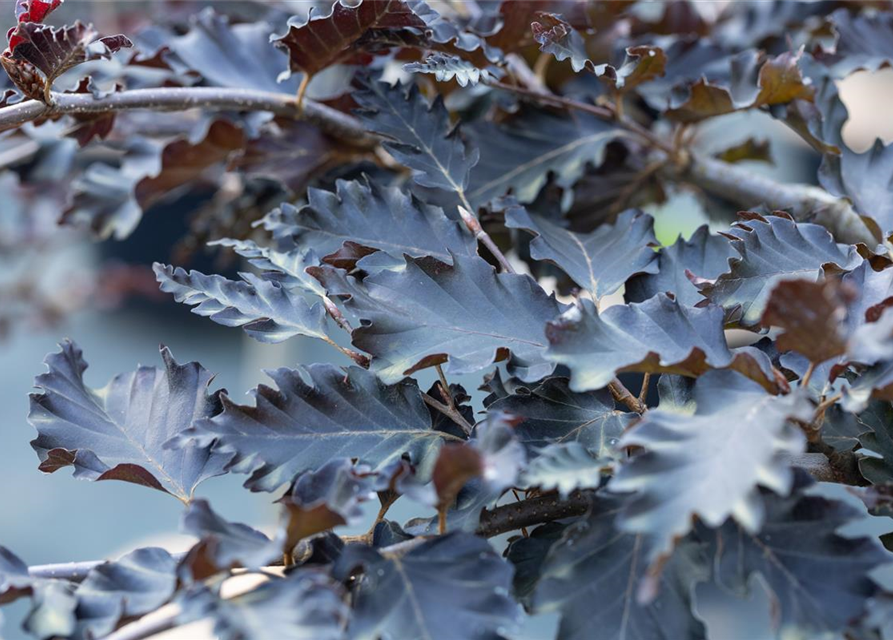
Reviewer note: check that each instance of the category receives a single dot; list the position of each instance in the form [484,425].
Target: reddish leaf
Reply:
[182,162]
[812,315]
[322,41]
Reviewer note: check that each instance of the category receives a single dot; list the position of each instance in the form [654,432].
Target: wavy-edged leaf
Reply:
[861,41]
[659,335]
[56,50]
[238,56]
[383,218]
[328,497]
[419,134]
[865,178]
[118,432]
[795,552]
[704,254]
[554,35]
[772,249]
[593,573]
[291,152]
[133,585]
[285,267]
[518,156]
[453,586]
[224,545]
[266,310]
[103,197]
[184,160]
[812,316]
[710,465]
[445,67]
[431,313]
[303,605]
[551,413]
[601,261]
[320,41]
[320,412]
[565,467]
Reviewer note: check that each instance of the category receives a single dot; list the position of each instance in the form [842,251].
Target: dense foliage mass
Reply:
[404,181]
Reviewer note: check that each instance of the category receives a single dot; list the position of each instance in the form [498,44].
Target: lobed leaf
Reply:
[266,310]
[451,586]
[379,218]
[319,413]
[551,413]
[419,134]
[518,156]
[601,261]
[710,464]
[323,40]
[659,335]
[705,255]
[795,551]
[118,432]
[772,249]
[429,314]
[593,574]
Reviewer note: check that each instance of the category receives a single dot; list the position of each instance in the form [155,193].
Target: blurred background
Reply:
[121,321]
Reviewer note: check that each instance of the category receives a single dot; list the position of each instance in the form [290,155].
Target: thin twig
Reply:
[603,112]
[453,415]
[329,120]
[643,392]
[484,238]
[804,381]
[445,389]
[622,394]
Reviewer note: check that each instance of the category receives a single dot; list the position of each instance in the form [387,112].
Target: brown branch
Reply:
[622,394]
[452,414]
[484,238]
[327,119]
[532,511]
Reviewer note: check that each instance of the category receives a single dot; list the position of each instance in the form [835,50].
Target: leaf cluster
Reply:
[485,215]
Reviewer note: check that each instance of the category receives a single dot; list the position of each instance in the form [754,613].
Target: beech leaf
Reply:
[601,261]
[266,310]
[419,134]
[771,249]
[705,255]
[380,218]
[451,586]
[118,432]
[133,585]
[796,549]
[323,40]
[659,335]
[593,574]
[431,314]
[551,413]
[734,443]
[320,412]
